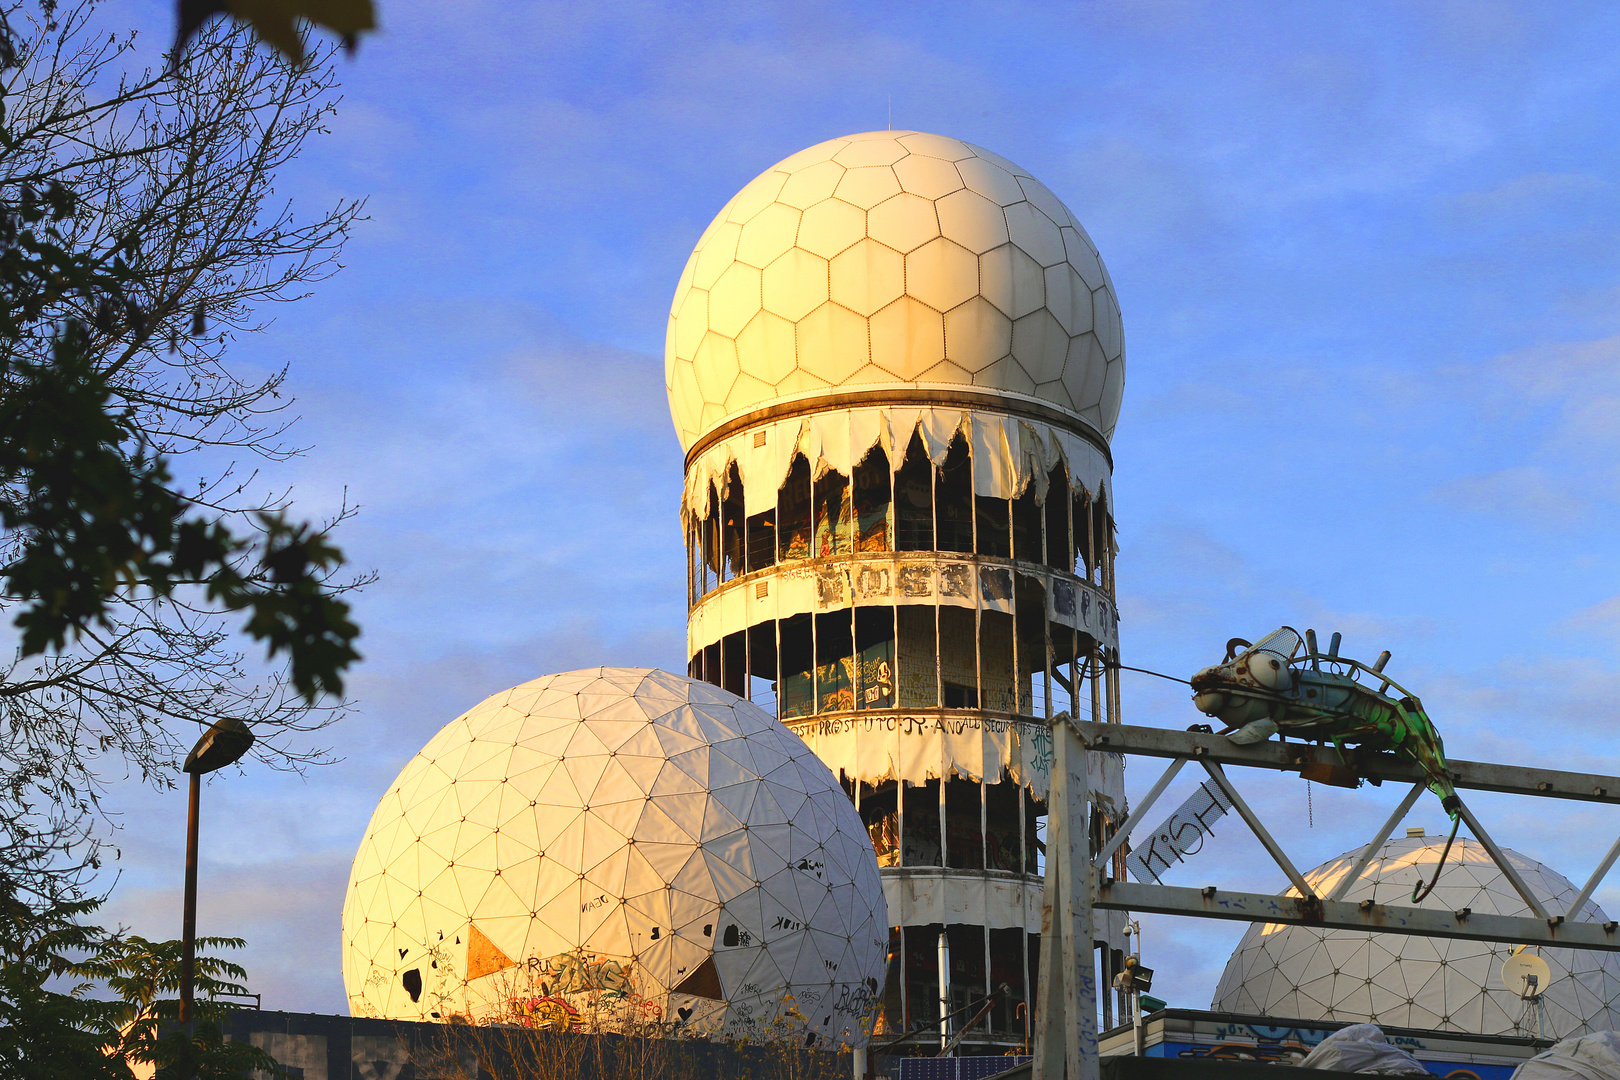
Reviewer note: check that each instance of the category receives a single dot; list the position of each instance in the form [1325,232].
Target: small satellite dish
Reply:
[1526,974]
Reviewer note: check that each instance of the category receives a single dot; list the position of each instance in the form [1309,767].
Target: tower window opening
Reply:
[996,661]
[734,663]
[761,540]
[967,974]
[832,515]
[796,691]
[892,1017]
[1101,540]
[1034,834]
[880,813]
[762,674]
[1026,527]
[1001,845]
[993,525]
[953,499]
[914,500]
[711,542]
[872,502]
[922,974]
[964,826]
[793,512]
[1029,600]
[835,662]
[958,659]
[694,561]
[711,664]
[731,528]
[1059,549]
[1063,673]
[1082,535]
[1007,970]
[919,840]
[874,656]
[918,659]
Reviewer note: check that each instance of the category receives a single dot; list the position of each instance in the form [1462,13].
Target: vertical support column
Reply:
[1066,1010]
[944,990]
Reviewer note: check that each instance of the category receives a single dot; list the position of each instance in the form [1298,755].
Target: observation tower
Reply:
[894,362]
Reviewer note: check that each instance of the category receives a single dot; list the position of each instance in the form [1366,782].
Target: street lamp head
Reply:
[220,745]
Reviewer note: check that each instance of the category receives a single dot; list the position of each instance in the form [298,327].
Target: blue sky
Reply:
[1369,263]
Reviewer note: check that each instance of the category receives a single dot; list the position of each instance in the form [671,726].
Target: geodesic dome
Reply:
[1302,973]
[893,260]
[617,846]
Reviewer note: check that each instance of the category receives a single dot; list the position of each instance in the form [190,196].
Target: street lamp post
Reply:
[223,743]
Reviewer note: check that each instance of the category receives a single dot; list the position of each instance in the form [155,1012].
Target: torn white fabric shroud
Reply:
[1009,454]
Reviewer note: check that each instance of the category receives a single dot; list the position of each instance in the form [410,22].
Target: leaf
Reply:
[276,21]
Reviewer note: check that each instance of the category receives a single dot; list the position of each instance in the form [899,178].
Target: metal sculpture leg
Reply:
[1066,1005]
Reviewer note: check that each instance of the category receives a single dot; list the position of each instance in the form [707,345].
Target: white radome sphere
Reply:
[892,259]
[1302,973]
[613,846]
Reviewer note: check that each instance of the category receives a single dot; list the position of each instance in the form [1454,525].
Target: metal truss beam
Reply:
[1375,767]
[1212,903]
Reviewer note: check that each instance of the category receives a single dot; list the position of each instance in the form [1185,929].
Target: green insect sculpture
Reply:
[1274,685]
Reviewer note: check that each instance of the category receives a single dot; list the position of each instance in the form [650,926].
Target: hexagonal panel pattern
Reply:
[612,847]
[866,248]
[1407,981]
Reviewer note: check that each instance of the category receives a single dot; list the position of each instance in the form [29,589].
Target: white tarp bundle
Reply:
[874,749]
[1362,1048]
[1009,454]
[1579,1057]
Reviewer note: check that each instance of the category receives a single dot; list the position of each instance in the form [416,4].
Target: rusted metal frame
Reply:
[1594,881]
[1253,821]
[1290,756]
[1500,858]
[1215,903]
[1124,831]
[1377,842]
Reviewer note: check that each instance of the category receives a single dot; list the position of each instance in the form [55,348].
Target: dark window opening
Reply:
[1101,536]
[1064,699]
[734,662]
[964,832]
[892,1019]
[1082,535]
[872,505]
[832,515]
[994,526]
[1007,976]
[880,813]
[920,843]
[711,542]
[996,660]
[958,659]
[761,541]
[874,649]
[796,692]
[1059,555]
[918,659]
[1034,834]
[1026,526]
[835,662]
[731,527]
[1029,599]
[793,512]
[966,974]
[914,500]
[953,499]
[922,975]
[711,663]
[1002,850]
[762,666]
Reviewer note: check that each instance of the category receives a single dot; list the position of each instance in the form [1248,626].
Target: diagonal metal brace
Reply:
[1124,831]
[1377,843]
[1501,861]
[1593,882]
[1259,830]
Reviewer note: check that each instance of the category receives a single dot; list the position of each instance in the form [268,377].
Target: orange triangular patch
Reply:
[704,982]
[484,957]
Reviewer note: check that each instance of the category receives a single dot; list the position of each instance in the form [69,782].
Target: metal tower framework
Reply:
[1076,881]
